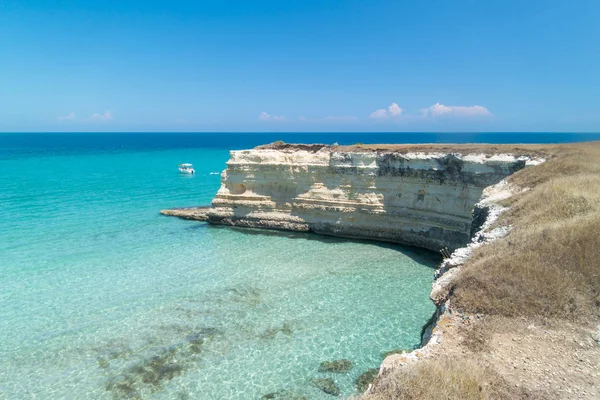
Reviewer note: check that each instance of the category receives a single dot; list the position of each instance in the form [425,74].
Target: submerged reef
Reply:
[337,366]
[365,379]
[246,295]
[284,395]
[271,333]
[148,374]
[327,385]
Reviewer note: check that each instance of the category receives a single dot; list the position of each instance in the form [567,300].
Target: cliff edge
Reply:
[413,198]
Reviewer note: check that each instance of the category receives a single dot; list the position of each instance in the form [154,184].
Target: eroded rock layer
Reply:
[418,199]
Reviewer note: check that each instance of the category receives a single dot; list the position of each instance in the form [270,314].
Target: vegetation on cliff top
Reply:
[547,268]
[441,379]
[549,265]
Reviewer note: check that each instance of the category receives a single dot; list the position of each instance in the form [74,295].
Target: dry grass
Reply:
[548,266]
[516,149]
[476,336]
[442,379]
[551,271]
[564,161]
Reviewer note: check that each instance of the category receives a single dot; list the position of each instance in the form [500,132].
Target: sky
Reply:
[310,65]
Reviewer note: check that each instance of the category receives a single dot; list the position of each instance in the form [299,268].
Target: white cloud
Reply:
[268,117]
[393,110]
[69,116]
[438,109]
[106,116]
[381,113]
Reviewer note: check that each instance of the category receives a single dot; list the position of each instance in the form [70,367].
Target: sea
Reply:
[101,297]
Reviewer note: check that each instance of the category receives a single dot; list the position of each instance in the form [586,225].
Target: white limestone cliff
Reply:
[420,199]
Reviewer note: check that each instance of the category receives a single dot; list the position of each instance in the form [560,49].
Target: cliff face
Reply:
[418,199]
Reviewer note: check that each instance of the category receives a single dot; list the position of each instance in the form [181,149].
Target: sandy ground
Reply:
[546,360]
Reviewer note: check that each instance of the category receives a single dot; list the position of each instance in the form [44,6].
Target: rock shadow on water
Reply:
[194,226]
[422,256]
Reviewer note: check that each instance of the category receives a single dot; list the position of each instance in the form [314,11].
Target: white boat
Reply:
[186,169]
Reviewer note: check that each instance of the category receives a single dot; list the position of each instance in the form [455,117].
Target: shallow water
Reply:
[101,297]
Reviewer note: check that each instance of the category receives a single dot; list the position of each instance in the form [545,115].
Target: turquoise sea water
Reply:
[101,297]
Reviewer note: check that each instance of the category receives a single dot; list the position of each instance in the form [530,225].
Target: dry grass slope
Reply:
[442,379]
[516,149]
[548,267]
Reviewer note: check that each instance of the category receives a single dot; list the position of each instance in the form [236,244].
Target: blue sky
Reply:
[377,65]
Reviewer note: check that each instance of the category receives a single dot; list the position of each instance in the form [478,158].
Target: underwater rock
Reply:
[365,379]
[327,385]
[103,362]
[270,333]
[165,364]
[284,395]
[122,387]
[159,368]
[197,339]
[337,366]
[108,354]
[245,295]
[120,353]
[152,372]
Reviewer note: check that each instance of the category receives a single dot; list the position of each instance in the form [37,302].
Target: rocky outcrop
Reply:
[193,213]
[419,199]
